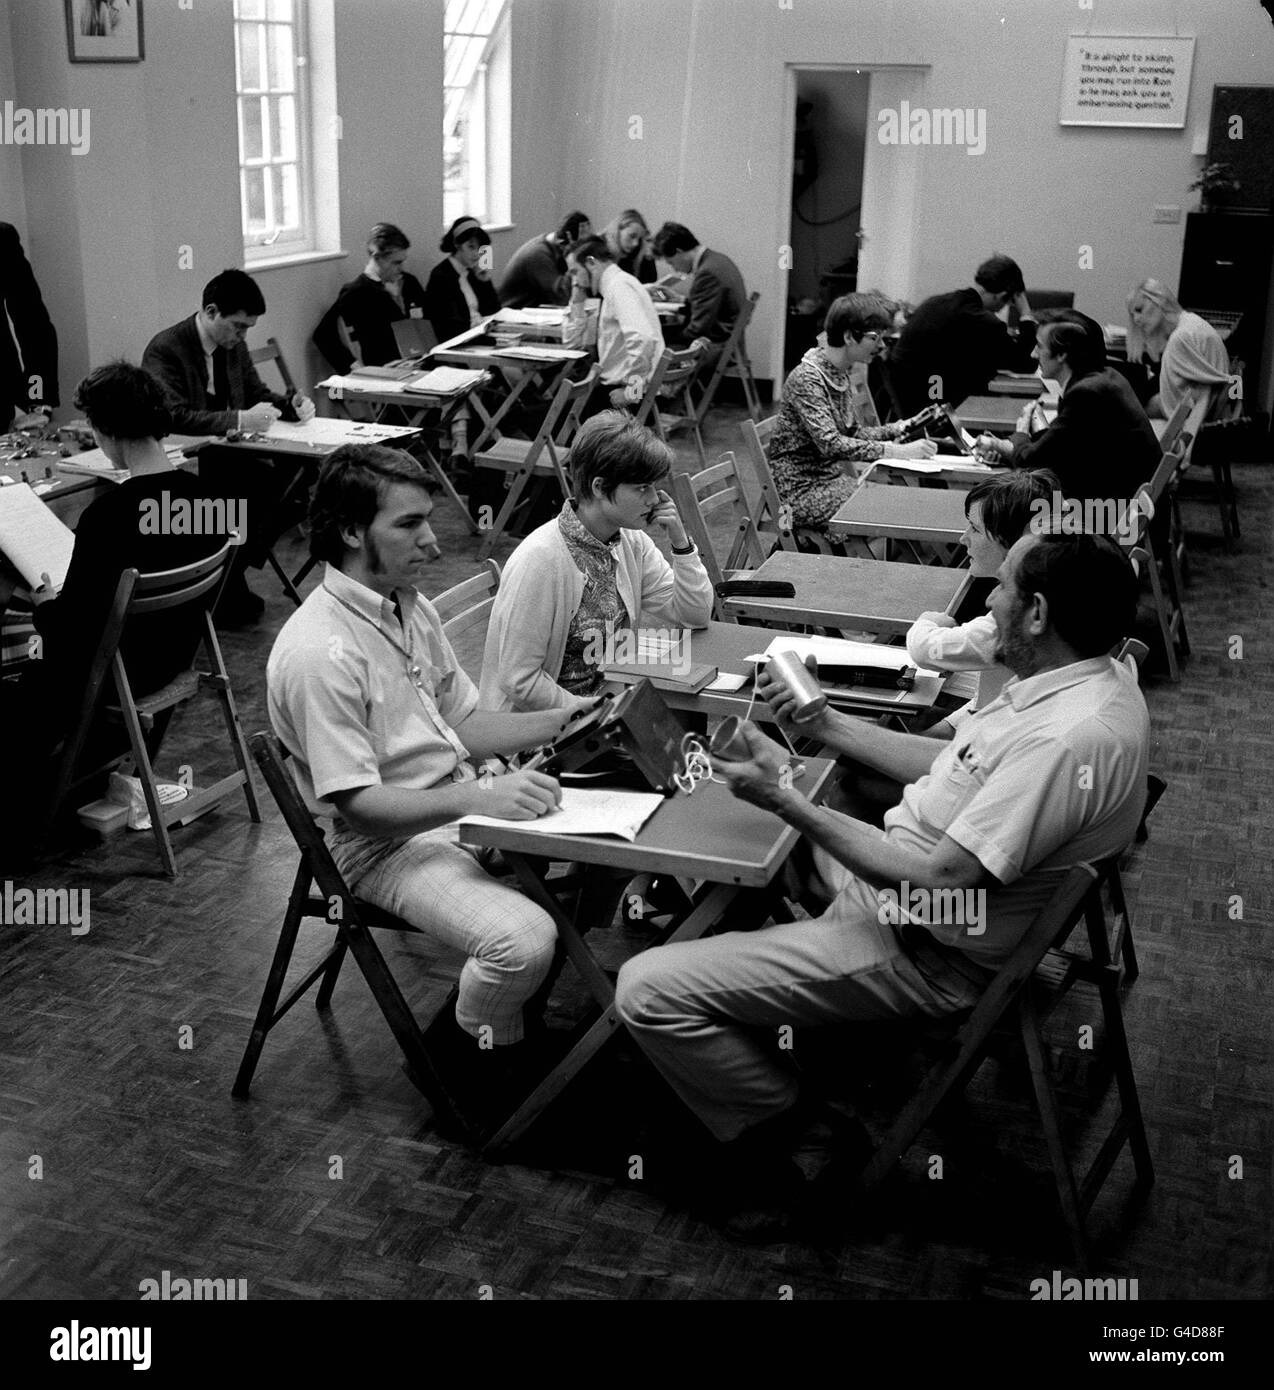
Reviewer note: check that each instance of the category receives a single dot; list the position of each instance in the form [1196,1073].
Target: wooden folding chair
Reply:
[192,586]
[701,495]
[734,362]
[299,483]
[673,385]
[773,518]
[542,458]
[1016,996]
[469,603]
[319,891]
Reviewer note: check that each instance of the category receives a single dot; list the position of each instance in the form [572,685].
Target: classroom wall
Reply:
[105,230]
[706,79]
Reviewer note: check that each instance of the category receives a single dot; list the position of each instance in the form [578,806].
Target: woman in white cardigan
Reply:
[1191,356]
[592,572]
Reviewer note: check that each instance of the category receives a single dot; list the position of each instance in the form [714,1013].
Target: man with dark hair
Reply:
[717,292]
[206,369]
[1050,774]
[953,344]
[592,571]
[365,691]
[212,387]
[536,272]
[371,304]
[28,340]
[629,339]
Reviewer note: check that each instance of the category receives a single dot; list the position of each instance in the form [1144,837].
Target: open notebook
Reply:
[588,812]
[36,541]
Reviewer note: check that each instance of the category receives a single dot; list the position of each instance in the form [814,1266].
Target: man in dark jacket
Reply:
[717,292]
[371,304]
[29,365]
[954,343]
[211,387]
[536,272]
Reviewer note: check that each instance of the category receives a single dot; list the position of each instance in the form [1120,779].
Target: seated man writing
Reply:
[1050,774]
[366,693]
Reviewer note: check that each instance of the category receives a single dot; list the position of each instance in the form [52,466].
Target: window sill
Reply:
[499,226]
[252,263]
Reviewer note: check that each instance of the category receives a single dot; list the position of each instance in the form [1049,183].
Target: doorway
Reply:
[853,201]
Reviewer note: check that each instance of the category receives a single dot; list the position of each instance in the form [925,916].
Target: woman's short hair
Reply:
[384,238]
[122,401]
[461,230]
[351,486]
[615,449]
[1070,334]
[856,314]
[1008,503]
[1090,587]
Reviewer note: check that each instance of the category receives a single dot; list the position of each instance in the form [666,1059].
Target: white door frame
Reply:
[891,187]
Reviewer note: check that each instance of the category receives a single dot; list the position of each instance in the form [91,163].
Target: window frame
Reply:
[496,209]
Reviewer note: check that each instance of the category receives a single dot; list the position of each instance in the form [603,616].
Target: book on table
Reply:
[588,812]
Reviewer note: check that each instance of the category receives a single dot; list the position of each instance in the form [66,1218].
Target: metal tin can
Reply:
[726,741]
[801,681]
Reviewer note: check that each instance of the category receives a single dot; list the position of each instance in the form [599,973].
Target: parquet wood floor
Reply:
[148,1164]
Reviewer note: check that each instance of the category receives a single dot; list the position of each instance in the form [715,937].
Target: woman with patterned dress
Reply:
[819,448]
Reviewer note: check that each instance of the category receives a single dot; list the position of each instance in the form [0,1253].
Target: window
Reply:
[476,111]
[274,177]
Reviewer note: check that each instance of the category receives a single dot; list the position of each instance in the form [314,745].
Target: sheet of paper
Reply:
[532,317]
[534,352]
[840,651]
[446,381]
[938,464]
[36,541]
[588,812]
[324,433]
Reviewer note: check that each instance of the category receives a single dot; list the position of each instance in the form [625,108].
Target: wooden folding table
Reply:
[725,845]
[904,518]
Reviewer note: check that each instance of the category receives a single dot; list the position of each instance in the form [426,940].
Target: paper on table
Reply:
[535,352]
[322,432]
[937,464]
[839,651]
[36,541]
[588,812]
[536,317]
[446,381]
[93,463]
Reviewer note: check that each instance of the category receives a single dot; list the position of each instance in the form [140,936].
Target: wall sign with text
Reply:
[1126,79]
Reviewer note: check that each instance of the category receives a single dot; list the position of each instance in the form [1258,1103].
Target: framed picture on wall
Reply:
[104,31]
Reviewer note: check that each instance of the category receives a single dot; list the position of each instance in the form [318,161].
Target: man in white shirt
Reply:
[629,339]
[1052,773]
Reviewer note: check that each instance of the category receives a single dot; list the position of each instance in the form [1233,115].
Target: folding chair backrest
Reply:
[271,756]
[271,352]
[465,605]
[164,589]
[1132,653]
[733,352]
[654,386]
[1176,423]
[769,516]
[707,494]
[569,403]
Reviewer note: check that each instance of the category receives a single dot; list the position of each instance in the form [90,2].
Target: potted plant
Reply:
[1216,185]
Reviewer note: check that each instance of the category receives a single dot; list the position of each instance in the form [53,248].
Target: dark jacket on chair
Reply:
[952,337]
[1101,444]
[176,358]
[445,304]
[369,312]
[35,353]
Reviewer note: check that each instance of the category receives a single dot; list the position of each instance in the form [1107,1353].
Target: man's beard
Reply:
[1014,648]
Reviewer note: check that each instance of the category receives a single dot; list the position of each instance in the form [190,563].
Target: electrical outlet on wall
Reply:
[1167,212]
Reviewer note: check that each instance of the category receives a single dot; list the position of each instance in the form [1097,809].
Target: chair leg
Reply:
[144,770]
[264,1020]
[1123,945]
[1050,1120]
[1129,1100]
[230,713]
[288,587]
[331,972]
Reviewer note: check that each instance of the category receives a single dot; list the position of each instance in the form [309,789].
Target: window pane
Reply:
[284,188]
[282,63]
[254,199]
[462,59]
[250,127]
[249,9]
[250,58]
[283,128]
[281,9]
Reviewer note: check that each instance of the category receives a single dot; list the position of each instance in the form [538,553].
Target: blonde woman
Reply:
[1189,351]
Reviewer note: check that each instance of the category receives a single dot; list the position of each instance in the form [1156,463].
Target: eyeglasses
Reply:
[871,337]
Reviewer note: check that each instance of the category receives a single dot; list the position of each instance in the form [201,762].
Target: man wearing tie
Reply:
[212,387]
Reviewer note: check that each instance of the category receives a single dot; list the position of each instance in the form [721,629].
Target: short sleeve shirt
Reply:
[361,700]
